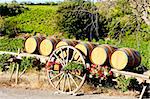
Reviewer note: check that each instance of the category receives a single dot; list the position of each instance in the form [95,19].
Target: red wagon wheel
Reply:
[66,81]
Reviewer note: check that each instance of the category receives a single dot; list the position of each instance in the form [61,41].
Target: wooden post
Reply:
[13,68]
[17,68]
[17,73]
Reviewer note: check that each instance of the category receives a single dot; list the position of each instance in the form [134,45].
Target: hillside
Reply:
[37,19]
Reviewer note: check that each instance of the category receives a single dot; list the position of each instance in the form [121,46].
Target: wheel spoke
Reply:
[73,80]
[74,53]
[56,76]
[59,59]
[59,80]
[69,83]
[63,86]
[78,76]
[62,56]
[67,55]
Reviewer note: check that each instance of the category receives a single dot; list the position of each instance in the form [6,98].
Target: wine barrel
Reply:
[65,42]
[125,58]
[48,45]
[32,44]
[85,48]
[101,54]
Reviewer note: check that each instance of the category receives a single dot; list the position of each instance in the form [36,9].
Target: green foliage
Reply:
[2,22]
[11,9]
[10,28]
[117,17]
[37,19]
[27,62]
[75,19]
[3,59]
[11,44]
[74,66]
[124,83]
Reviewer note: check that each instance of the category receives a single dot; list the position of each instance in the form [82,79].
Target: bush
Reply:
[126,83]
[117,17]
[3,59]
[2,22]
[11,44]
[11,9]
[27,63]
[78,19]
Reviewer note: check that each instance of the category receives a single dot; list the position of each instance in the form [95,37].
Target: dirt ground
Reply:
[35,85]
[17,93]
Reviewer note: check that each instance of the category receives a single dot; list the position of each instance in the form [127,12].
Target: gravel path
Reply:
[16,93]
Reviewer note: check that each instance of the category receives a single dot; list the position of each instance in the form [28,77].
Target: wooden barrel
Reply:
[65,42]
[85,48]
[101,54]
[125,58]
[32,44]
[48,45]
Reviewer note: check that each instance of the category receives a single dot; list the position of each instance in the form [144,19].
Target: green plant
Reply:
[11,44]
[28,63]
[25,63]
[3,59]
[74,66]
[11,9]
[78,18]
[2,22]
[117,17]
[124,83]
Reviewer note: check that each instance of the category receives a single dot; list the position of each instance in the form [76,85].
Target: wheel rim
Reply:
[66,81]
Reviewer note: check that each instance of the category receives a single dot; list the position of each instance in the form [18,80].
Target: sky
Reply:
[35,1]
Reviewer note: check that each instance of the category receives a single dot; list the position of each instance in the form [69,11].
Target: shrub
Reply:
[25,63]
[2,22]
[11,9]
[11,44]
[28,63]
[3,59]
[78,19]
[125,83]
[117,17]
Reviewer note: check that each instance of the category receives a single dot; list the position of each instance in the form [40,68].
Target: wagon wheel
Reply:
[66,81]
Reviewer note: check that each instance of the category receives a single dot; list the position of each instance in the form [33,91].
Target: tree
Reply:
[79,18]
[141,8]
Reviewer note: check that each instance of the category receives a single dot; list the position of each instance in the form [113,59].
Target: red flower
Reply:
[110,72]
